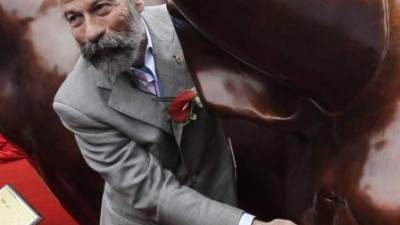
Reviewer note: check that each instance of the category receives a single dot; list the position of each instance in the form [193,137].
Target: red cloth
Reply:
[23,177]
[8,151]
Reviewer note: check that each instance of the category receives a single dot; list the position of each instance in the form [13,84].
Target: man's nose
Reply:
[94,32]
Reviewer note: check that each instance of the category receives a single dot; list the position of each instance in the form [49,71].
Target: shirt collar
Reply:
[149,55]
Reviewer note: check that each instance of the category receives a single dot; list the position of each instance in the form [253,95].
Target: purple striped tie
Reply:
[146,80]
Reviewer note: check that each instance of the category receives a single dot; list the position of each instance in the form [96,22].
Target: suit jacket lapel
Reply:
[135,103]
[174,78]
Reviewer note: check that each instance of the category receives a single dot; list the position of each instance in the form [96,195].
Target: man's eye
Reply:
[74,20]
[102,8]
[71,19]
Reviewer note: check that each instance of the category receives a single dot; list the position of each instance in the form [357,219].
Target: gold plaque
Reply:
[14,210]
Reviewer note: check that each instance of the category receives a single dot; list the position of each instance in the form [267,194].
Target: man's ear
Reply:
[139,4]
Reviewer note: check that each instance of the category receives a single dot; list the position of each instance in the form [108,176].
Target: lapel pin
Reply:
[179,59]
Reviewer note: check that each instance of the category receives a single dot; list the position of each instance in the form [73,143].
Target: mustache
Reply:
[111,43]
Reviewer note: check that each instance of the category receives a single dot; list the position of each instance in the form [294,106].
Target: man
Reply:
[156,172]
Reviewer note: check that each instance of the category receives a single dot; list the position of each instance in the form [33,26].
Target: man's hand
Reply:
[273,222]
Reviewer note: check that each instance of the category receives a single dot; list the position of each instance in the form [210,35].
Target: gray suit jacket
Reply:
[155,172]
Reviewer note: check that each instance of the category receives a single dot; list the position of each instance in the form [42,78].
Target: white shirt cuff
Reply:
[246,219]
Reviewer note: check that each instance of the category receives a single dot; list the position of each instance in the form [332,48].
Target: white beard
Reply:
[126,47]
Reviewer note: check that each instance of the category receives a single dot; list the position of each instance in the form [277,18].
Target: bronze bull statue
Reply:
[309,89]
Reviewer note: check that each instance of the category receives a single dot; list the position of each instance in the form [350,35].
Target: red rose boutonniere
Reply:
[181,107]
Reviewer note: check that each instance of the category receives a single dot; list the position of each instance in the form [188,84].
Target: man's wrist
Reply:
[246,219]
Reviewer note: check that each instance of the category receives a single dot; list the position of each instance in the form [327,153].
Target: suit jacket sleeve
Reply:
[135,173]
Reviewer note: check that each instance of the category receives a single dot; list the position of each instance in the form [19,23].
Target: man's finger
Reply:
[281,222]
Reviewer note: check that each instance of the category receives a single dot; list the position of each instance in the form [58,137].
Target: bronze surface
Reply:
[335,60]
